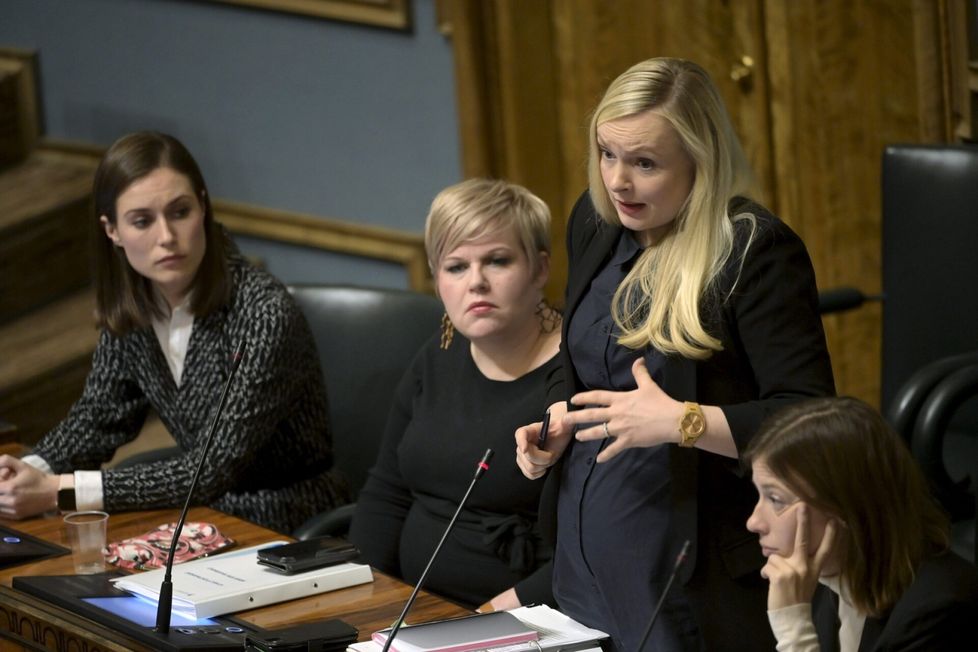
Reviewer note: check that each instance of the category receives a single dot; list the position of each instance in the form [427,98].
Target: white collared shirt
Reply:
[174,337]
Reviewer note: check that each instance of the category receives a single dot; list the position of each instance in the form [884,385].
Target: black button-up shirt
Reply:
[615,550]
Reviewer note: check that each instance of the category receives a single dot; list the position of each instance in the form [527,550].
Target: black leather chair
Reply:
[929,234]
[906,406]
[930,318]
[945,443]
[366,339]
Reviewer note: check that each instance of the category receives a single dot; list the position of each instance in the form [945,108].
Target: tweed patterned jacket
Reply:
[271,458]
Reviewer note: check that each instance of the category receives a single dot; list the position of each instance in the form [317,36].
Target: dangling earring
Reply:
[549,317]
[447,331]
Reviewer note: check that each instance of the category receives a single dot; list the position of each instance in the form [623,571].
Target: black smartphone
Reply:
[309,554]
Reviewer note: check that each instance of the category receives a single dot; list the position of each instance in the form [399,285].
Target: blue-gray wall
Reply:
[280,110]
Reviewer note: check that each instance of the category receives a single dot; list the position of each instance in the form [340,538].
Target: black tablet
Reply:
[19,548]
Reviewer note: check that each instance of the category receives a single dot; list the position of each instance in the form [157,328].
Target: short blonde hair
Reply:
[684,265]
[474,208]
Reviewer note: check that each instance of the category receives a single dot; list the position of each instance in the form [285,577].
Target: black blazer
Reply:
[774,353]
[938,612]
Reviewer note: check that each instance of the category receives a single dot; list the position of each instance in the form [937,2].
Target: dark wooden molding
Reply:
[392,14]
[329,234]
[20,116]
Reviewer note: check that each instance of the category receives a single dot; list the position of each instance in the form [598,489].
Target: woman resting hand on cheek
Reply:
[857,550]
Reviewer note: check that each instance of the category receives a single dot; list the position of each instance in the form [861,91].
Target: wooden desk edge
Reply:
[37,624]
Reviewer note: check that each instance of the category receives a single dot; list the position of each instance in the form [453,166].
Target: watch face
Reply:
[66,500]
[693,424]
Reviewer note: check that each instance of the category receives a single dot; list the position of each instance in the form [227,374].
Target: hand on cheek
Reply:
[794,578]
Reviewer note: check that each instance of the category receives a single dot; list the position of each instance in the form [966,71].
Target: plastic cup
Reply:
[86,537]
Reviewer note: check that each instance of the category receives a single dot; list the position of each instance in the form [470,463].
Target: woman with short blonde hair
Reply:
[469,387]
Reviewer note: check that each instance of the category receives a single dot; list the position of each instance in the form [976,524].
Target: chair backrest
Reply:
[366,339]
[929,235]
[948,455]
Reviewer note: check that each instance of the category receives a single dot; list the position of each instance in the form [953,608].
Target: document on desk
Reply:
[234,581]
[557,632]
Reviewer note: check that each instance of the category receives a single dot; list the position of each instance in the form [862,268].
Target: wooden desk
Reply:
[27,623]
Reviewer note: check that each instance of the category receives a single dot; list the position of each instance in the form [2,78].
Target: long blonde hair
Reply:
[659,302]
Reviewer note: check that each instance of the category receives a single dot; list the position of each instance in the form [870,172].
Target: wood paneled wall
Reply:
[815,88]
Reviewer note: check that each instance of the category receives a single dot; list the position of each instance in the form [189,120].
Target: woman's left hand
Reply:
[502,602]
[24,490]
[794,578]
[643,417]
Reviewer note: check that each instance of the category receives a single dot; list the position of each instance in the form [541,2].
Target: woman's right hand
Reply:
[794,578]
[533,461]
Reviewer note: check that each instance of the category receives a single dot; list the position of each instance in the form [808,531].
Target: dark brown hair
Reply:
[839,455]
[125,299]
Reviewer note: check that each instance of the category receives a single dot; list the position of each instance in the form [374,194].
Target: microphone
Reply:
[166,588]
[662,598]
[479,472]
[843,298]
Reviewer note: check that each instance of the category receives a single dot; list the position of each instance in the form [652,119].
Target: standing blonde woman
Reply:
[691,314]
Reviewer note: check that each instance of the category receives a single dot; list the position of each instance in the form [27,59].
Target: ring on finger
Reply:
[606,433]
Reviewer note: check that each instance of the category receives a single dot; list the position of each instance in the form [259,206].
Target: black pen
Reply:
[544,427]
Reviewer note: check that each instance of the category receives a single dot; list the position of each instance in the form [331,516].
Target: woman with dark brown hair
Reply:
[857,548]
[174,301]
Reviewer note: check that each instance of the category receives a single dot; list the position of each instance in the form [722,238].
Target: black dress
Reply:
[445,415]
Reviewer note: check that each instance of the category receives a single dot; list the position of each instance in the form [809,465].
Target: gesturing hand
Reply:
[643,417]
[794,578]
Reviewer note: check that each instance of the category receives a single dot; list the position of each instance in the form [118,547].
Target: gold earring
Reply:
[447,331]
[549,317]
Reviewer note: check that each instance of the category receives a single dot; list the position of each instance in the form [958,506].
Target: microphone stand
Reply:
[662,598]
[166,588]
[479,471]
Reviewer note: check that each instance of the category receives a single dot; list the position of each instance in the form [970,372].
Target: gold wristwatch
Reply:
[691,425]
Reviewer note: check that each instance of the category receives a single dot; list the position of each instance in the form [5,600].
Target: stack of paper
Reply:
[476,632]
[234,581]
[555,632]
